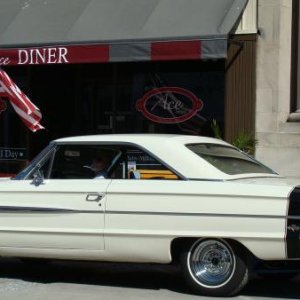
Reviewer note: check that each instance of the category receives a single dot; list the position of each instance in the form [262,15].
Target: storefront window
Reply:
[165,97]
[295,78]
[13,133]
[181,97]
[298,55]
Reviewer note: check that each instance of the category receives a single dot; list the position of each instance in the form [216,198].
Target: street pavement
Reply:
[110,281]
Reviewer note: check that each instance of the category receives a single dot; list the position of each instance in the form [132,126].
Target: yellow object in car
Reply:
[157,174]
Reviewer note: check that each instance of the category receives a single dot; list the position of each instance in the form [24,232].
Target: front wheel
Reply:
[212,267]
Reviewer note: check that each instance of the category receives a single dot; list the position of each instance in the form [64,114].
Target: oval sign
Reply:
[169,105]
[3,106]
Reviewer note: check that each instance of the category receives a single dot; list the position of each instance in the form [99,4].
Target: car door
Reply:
[63,211]
[57,214]
[138,196]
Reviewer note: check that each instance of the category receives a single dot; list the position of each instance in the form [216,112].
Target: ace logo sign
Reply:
[169,105]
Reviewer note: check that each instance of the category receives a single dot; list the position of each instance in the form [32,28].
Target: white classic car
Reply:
[164,198]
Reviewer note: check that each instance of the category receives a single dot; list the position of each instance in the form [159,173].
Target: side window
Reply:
[69,162]
[78,162]
[83,162]
[101,161]
[137,164]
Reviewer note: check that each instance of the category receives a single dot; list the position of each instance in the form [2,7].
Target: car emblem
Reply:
[169,105]
[293,227]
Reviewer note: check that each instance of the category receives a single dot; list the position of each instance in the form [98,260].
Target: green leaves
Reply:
[244,141]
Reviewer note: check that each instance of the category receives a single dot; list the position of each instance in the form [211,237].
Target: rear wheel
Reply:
[213,267]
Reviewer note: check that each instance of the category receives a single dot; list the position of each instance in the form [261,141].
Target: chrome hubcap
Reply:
[211,263]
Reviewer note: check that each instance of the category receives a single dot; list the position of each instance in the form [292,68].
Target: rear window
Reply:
[228,159]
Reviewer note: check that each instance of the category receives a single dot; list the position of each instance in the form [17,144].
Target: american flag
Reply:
[27,111]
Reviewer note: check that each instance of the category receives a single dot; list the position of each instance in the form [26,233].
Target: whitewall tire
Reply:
[215,268]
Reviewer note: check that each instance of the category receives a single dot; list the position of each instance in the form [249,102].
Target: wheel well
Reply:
[180,244]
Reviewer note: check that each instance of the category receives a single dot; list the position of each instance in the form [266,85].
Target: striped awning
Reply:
[90,31]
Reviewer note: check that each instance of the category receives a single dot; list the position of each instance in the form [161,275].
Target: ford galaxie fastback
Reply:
[164,198]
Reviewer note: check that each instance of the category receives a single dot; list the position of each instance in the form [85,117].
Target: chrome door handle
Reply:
[94,197]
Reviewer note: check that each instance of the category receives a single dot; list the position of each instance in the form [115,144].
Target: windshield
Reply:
[228,159]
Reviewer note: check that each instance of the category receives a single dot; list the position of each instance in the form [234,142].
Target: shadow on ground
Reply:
[139,276]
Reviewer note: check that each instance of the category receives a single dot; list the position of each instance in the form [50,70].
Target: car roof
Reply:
[139,138]
[169,148]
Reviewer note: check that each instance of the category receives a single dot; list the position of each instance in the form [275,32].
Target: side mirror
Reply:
[38,178]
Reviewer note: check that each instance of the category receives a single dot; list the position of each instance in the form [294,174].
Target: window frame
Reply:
[295,63]
[52,148]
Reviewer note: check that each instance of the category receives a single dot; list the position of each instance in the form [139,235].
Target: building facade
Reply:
[175,69]
[239,68]
[277,94]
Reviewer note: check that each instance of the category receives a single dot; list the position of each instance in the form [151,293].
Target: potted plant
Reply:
[244,141]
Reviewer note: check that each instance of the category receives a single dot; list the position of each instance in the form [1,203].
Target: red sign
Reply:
[55,55]
[169,105]
[3,106]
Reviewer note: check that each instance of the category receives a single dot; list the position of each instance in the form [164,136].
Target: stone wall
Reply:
[278,140]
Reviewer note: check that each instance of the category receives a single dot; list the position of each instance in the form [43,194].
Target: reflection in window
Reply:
[78,161]
[146,167]
[228,160]
[137,164]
